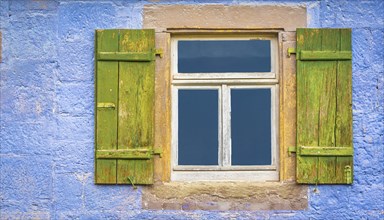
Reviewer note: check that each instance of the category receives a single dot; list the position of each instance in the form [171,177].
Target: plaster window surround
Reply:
[183,21]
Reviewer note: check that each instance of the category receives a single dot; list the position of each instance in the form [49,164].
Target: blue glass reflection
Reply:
[251,126]
[198,127]
[214,56]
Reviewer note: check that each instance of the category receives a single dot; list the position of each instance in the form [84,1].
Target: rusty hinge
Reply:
[291,51]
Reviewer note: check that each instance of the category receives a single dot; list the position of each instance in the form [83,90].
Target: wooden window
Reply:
[224,115]
[224,108]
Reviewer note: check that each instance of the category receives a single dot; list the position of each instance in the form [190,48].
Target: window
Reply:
[224,107]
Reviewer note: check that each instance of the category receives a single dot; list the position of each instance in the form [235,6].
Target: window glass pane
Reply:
[215,56]
[251,126]
[198,127]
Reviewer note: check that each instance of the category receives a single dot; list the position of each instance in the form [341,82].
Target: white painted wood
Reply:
[258,75]
[175,116]
[275,126]
[223,82]
[255,176]
[220,151]
[175,126]
[255,75]
[274,115]
[226,127]
[217,168]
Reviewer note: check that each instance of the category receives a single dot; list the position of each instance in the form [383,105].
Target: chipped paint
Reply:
[47,57]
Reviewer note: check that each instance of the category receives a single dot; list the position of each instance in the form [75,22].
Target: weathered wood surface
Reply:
[106,119]
[136,105]
[325,55]
[126,56]
[324,112]
[130,124]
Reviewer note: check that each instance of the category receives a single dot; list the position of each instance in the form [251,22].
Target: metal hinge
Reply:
[159,52]
[291,150]
[291,51]
[158,151]
[348,174]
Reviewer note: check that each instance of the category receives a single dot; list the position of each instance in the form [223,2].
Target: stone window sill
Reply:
[247,196]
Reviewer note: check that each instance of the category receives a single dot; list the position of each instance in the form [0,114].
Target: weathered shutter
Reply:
[125,79]
[324,106]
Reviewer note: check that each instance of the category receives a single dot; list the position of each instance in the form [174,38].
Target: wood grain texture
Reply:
[136,105]
[106,118]
[287,108]
[162,166]
[323,117]
[125,107]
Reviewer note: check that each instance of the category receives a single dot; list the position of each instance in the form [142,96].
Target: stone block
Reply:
[75,99]
[21,139]
[76,60]
[111,197]
[68,192]
[26,183]
[78,20]
[73,157]
[75,128]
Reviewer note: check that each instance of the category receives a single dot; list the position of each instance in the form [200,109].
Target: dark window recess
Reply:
[198,127]
[251,126]
[223,56]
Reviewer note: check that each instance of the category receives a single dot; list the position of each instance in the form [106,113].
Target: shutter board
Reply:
[324,114]
[106,118]
[124,107]
[136,105]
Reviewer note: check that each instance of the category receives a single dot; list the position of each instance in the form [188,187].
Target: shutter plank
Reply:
[343,134]
[136,106]
[106,118]
[308,104]
[327,106]
[344,95]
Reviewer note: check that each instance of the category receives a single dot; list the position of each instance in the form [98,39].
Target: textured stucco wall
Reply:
[47,84]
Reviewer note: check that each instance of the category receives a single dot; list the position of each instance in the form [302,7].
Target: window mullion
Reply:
[226,124]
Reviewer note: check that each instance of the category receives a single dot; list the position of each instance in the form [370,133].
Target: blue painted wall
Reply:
[47,84]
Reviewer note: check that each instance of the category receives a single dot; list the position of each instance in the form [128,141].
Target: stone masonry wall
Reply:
[47,114]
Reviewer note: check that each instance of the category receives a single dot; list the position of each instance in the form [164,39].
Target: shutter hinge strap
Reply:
[139,153]
[108,105]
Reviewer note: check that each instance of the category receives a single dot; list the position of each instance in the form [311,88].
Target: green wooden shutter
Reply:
[324,106]
[125,79]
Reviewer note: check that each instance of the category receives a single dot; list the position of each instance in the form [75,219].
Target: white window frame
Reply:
[223,82]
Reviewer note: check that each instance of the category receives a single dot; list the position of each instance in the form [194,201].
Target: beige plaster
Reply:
[163,109]
[224,16]
[288,108]
[248,196]
[186,19]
